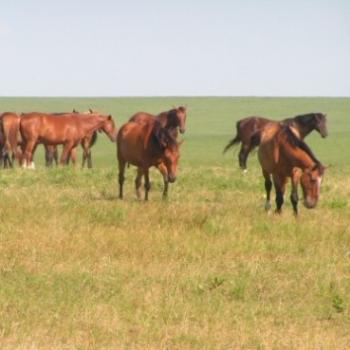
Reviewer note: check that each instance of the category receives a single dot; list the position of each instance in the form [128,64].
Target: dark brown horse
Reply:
[170,120]
[302,125]
[146,145]
[11,139]
[281,155]
[68,130]
[87,142]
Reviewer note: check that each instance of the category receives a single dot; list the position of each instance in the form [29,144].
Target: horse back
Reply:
[142,117]
[248,126]
[48,128]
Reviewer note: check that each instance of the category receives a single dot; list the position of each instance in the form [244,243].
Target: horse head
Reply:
[321,124]
[176,118]
[108,127]
[169,148]
[310,181]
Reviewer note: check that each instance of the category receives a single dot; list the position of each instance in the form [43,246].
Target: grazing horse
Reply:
[282,154]
[146,145]
[170,120]
[11,139]
[86,143]
[69,129]
[302,125]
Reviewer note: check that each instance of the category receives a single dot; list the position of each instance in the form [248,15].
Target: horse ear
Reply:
[91,111]
[75,111]
[109,117]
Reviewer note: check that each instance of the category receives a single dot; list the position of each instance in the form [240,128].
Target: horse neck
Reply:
[90,123]
[298,157]
[303,129]
[168,120]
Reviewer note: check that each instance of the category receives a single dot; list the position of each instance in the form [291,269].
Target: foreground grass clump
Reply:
[206,269]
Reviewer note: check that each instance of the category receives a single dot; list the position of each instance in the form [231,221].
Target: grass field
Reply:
[208,269]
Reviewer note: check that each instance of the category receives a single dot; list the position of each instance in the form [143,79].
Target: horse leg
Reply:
[268,187]
[73,155]
[280,187]
[162,168]
[85,153]
[28,153]
[147,184]
[48,156]
[121,177]
[55,155]
[65,153]
[89,160]
[294,198]
[84,159]
[138,181]
[243,155]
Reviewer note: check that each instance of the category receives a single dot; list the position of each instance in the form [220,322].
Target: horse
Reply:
[281,155]
[11,139]
[171,120]
[146,145]
[302,125]
[69,129]
[87,142]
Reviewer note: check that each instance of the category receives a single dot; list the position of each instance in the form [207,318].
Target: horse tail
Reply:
[235,140]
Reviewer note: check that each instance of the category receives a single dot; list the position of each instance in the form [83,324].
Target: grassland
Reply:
[208,269]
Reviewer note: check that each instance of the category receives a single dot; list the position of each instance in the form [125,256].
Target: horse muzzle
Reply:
[171,178]
[310,203]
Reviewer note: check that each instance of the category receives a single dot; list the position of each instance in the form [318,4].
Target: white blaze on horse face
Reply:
[319,182]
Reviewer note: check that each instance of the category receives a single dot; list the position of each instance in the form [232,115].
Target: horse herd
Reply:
[148,140]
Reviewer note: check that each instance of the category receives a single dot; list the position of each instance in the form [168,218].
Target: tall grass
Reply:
[207,269]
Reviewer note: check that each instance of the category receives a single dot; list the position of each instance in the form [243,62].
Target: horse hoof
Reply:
[267,206]
[245,171]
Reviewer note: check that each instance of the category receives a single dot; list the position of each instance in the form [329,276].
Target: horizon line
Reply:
[174,96]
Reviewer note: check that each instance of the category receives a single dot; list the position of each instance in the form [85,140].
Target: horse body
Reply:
[170,120]
[11,139]
[301,125]
[86,143]
[283,155]
[67,129]
[146,145]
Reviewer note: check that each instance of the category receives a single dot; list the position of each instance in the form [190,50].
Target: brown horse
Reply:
[87,142]
[11,139]
[69,129]
[146,145]
[282,154]
[170,120]
[302,125]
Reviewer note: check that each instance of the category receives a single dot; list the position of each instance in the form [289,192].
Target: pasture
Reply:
[207,269]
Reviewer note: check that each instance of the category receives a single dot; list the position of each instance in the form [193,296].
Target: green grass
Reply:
[208,269]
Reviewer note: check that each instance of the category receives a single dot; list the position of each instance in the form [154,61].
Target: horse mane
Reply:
[296,142]
[303,119]
[162,137]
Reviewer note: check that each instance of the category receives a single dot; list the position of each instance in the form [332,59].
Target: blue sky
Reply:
[164,48]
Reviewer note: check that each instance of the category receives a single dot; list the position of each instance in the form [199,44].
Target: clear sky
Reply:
[178,47]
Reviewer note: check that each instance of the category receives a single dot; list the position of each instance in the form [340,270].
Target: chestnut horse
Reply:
[302,125]
[87,142]
[146,145]
[170,120]
[69,129]
[11,139]
[282,154]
